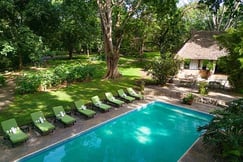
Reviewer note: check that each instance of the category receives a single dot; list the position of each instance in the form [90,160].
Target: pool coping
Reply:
[187,151]
[197,140]
[114,118]
[73,136]
[36,142]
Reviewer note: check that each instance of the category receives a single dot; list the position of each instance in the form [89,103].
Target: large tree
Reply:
[114,15]
[170,31]
[223,14]
[79,25]
[18,43]
[232,64]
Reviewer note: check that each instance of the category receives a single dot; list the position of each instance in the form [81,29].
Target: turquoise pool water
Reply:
[158,132]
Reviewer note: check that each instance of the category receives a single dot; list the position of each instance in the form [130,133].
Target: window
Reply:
[187,63]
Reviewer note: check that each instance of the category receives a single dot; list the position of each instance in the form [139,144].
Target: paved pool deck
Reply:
[198,153]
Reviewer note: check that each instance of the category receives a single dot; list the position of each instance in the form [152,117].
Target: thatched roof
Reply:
[202,46]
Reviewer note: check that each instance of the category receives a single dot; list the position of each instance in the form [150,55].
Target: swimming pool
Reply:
[155,132]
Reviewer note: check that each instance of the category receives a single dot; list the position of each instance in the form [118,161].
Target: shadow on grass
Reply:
[24,105]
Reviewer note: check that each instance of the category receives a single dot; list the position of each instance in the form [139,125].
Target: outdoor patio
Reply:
[170,94]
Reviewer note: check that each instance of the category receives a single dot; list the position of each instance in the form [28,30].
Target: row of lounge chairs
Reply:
[14,133]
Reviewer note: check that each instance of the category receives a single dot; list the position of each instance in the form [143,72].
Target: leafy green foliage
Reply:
[19,45]
[232,65]
[163,68]
[195,17]
[23,105]
[71,73]
[61,71]
[225,132]
[170,30]
[28,83]
[33,82]
[49,79]
[188,99]
[203,88]
[79,27]
[223,14]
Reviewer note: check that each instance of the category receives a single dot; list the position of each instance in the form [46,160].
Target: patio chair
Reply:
[13,132]
[82,109]
[132,93]
[113,100]
[41,123]
[124,96]
[97,103]
[61,116]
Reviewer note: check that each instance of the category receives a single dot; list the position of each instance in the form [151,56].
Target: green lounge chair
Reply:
[132,93]
[62,116]
[13,132]
[113,100]
[82,109]
[97,103]
[41,123]
[124,96]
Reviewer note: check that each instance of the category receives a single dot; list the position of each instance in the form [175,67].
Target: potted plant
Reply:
[188,99]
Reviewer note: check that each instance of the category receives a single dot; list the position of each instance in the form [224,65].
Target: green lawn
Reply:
[23,105]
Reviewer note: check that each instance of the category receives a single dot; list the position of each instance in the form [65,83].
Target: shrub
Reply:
[76,73]
[188,99]
[28,83]
[80,73]
[225,132]
[49,79]
[203,88]
[61,71]
[2,80]
[88,72]
[162,69]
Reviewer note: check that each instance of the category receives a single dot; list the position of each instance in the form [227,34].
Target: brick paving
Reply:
[197,153]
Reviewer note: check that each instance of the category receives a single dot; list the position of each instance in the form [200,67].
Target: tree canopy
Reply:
[31,29]
[222,14]
[232,40]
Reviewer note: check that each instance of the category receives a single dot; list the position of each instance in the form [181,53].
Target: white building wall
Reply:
[193,65]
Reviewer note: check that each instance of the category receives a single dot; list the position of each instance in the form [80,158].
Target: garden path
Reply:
[7,91]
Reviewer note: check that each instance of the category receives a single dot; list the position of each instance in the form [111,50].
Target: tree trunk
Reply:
[20,61]
[112,57]
[70,53]
[112,67]
[87,50]
[112,50]
[141,48]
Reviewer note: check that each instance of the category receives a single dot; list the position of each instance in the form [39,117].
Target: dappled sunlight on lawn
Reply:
[129,66]
[61,95]
[135,72]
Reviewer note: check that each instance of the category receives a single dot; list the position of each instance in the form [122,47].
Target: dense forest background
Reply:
[33,30]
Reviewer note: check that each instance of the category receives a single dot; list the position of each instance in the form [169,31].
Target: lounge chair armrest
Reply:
[25,128]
